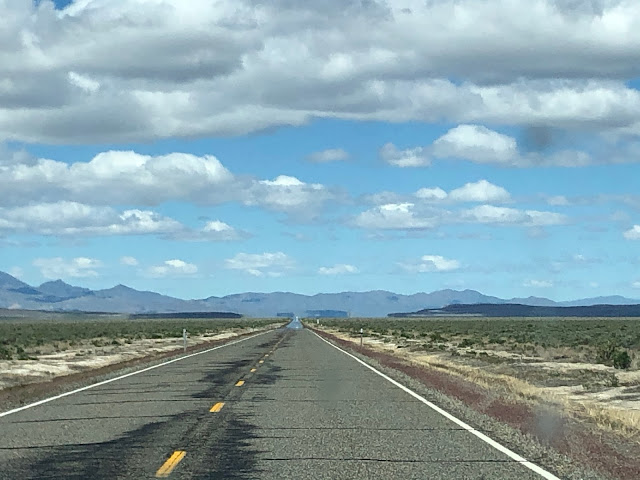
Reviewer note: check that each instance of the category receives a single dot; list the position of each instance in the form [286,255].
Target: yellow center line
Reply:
[217,407]
[266,355]
[240,383]
[261,361]
[253,370]
[170,464]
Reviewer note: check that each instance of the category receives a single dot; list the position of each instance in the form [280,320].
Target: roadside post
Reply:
[184,339]
[361,332]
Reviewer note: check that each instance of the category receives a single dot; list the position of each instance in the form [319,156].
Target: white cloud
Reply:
[537,284]
[129,261]
[413,216]
[398,216]
[633,233]
[120,177]
[510,216]
[432,263]
[476,143]
[481,191]
[290,195]
[411,157]
[213,231]
[217,68]
[479,144]
[126,177]
[329,155]
[84,82]
[636,284]
[58,267]
[260,264]
[172,268]
[338,269]
[71,218]
[432,194]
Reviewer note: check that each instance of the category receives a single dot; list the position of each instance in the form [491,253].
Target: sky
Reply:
[207,148]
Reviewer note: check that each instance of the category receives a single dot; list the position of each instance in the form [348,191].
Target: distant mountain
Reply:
[60,289]
[9,282]
[60,296]
[610,300]
[518,310]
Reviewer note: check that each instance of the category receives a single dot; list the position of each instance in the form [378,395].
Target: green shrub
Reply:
[5,353]
[621,360]
[466,343]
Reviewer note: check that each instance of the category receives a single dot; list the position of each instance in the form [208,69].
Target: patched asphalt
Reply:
[308,411]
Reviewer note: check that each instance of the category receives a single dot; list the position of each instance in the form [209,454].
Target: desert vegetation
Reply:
[607,341]
[26,340]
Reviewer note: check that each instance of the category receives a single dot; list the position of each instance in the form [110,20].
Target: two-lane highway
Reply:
[283,404]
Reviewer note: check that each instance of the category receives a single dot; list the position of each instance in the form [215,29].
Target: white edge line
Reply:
[532,466]
[104,382]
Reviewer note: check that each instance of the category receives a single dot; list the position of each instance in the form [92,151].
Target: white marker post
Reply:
[361,332]
[184,339]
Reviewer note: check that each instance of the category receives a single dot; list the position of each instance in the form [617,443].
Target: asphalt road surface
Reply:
[281,405]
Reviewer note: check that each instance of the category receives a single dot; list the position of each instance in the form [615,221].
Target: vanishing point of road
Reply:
[284,404]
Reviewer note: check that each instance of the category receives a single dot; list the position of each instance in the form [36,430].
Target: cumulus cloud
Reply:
[432,263]
[511,216]
[58,267]
[120,177]
[537,284]
[172,268]
[213,231]
[329,155]
[338,269]
[288,194]
[411,157]
[72,76]
[633,233]
[129,261]
[396,216]
[432,194]
[272,264]
[476,143]
[72,218]
[127,177]
[636,284]
[479,144]
[481,191]
[413,216]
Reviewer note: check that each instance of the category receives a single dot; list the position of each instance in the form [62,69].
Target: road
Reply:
[281,405]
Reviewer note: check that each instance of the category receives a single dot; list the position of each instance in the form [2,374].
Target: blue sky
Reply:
[198,149]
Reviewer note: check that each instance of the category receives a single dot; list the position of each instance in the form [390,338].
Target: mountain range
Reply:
[60,296]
